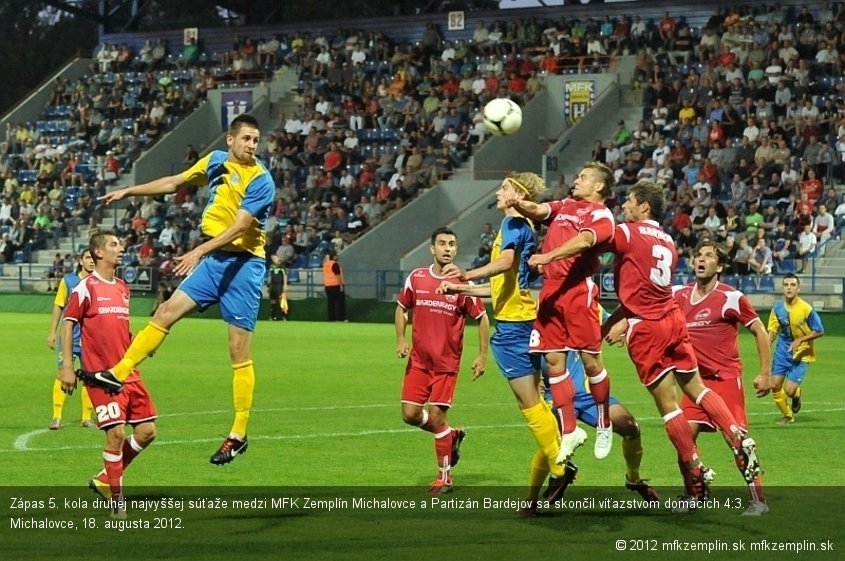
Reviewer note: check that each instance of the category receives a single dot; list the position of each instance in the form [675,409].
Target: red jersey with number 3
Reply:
[567,219]
[438,321]
[101,308]
[712,321]
[645,260]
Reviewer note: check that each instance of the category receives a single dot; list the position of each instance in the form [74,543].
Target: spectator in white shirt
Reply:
[167,236]
[660,153]
[293,124]
[806,246]
[659,114]
[823,227]
[613,154]
[774,71]
[751,131]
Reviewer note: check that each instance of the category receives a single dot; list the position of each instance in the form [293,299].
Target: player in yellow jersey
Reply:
[228,268]
[515,310]
[795,325]
[66,285]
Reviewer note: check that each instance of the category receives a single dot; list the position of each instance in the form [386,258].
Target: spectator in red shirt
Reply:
[491,83]
[709,173]
[681,219]
[667,30]
[333,158]
[516,87]
[812,187]
[716,136]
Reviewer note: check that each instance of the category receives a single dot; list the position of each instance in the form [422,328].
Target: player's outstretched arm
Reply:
[580,243]
[528,209]
[160,186]
[501,264]
[479,290]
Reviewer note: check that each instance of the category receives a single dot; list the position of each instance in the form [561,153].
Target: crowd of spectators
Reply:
[379,121]
[741,117]
[91,131]
[744,127]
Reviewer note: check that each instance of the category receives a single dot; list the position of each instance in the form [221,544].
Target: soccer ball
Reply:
[502,116]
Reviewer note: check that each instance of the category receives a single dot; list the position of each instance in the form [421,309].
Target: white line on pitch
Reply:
[25,448]
[21,442]
[325,408]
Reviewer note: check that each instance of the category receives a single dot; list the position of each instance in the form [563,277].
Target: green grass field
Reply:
[326,424]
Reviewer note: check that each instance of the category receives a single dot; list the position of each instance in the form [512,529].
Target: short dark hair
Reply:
[98,241]
[240,121]
[647,192]
[792,276]
[443,230]
[605,175]
[719,249]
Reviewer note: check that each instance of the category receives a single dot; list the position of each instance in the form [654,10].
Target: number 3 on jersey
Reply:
[108,411]
[661,273]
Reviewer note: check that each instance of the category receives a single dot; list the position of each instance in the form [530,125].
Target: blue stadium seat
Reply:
[683,265]
[679,279]
[767,284]
[300,261]
[293,276]
[748,285]
[388,135]
[315,261]
[786,266]
[731,280]
[19,257]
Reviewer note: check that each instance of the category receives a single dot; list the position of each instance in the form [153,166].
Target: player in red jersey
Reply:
[658,341]
[568,313]
[100,306]
[713,312]
[438,336]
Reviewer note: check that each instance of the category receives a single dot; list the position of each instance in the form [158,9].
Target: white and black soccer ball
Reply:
[502,116]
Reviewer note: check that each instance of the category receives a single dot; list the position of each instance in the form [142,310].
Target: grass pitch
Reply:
[326,426]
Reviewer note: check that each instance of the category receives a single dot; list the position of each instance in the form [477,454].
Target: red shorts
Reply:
[131,406]
[731,391]
[423,386]
[567,318]
[659,346]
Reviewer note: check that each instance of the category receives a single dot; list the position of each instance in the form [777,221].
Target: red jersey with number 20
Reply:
[645,260]
[438,321]
[101,308]
[568,218]
[712,322]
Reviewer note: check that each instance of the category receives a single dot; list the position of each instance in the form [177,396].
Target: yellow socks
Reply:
[58,399]
[537,476]
[243,387]
[87,406]
[783,405]
[143,345]
[543,426]
[632,451]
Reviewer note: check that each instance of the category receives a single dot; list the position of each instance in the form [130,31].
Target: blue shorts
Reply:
[232,279]
[510,349]
[794,371]
[586,410]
